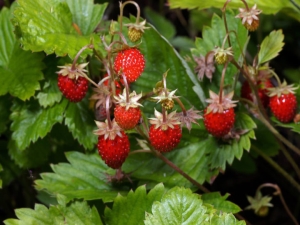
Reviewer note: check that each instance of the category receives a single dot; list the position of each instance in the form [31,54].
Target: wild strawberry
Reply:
[136,30]
[249,17]
[246,91]
[283,102]
[113,144]
[165,135]
[131,63]
[72,82]
[219,117]
[127,112]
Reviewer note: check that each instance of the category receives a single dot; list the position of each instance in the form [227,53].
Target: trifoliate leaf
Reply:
[20,71]
[131,209]
[78,212]
[80,122]
[214,36]
[271,46]
[178,206]
[220,203]
[31,122]
[268,6]
[192,159]
[5,104]
[84,177]
[50,26]
[221,153]
[33,156]
[50,93]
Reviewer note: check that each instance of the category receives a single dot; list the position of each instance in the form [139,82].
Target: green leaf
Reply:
[80,122]
[293,126]
[158,61]
[84,177]
[86,15]
[268,6]
[192,159]
[271,46]
[31,122]
[5,104]
[213,36]
[47,25]
[50,93]
[163,26]
[131,209]
[33,156]
[220,152]
[20,71]
[78,212]
[220,203]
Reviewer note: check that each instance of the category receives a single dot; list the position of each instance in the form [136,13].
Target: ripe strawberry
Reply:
[113,144]
[72,82]
[164,136]
[114,152]
[246,91]
[127,119]
[131,63]
[219,116]
[73,89]
[127,113]
[283,102]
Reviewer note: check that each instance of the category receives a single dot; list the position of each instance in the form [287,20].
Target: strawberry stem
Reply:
[222,82]
[181,106]
[225,20]
[107,109]
[276,76]
[122,5]
[126,88]
[73,68]
[246,5]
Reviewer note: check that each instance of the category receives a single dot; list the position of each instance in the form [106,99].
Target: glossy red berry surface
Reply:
[114,152]
[73,89]
[284,107]
[131,63]
[219,124]
[165,140]
[127,119]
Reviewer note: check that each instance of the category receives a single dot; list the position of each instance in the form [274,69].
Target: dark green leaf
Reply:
[131,209]
[293,126]
[78,212]
[85,177]
[271,46]
[220,203]
[163,26]
[80,122]
[47,25]
[5,104]
[268,6]
[20,70]
[31,122]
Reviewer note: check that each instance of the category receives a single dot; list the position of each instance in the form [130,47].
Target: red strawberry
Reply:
[72,82]
[283,102]
[131,63]
[246,91]
[73,89]
[164,136]
[127,119]
[219,116]
[219,124]
[113,144]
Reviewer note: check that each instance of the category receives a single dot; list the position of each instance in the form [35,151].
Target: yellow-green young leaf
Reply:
[57,27]
[268,6]
[131,209]
[20,71]
[84,177]
[77,212]
[31,122]
[271,46]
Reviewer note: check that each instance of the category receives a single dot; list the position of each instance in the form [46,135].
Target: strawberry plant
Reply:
[118,119]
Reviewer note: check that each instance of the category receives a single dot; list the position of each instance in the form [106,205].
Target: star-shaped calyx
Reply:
[73,73]
[249,17]
[222,55]
[215,105]
[164,121]
[205,66]
[109,130]
[189,117]
[283,88]
[259,203]
[130,101]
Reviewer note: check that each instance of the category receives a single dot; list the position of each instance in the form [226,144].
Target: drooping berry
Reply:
[136,30]
[249,17]
[131,63]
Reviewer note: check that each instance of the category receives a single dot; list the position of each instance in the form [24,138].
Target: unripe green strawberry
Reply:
[134,35]
[284,107]
[127,118]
